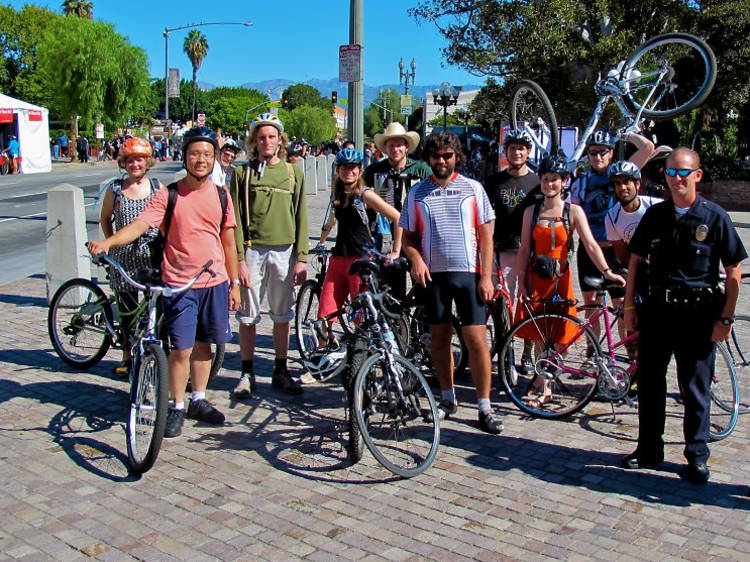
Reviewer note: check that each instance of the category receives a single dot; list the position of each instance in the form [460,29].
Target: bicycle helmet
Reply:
[231,144]
[266,119]
[624,168]
[602,138]
[136,146]
[198,134]
[325,364]
[517,136]
[555,163]
[348,156]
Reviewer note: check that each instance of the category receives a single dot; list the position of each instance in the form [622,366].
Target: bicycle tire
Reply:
[76,323]
[149,394]
[308,303]
[570,392]
[217,361]
[531,110]
[5,168]
[725,396]
[739,349]
[391,430]
[691,75]
[355,447]
[459,350]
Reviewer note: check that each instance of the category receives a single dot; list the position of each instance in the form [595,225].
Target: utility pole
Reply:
[356,89]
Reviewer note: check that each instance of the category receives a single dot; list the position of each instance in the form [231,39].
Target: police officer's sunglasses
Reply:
[682,172]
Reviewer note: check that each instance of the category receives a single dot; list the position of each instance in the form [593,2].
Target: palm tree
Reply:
[80,8]
[196,48]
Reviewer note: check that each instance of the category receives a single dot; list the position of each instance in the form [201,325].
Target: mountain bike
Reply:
[80,309]
[665,77]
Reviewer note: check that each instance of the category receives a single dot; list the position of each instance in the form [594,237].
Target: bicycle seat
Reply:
[363,266]
[602,284]
[148,276]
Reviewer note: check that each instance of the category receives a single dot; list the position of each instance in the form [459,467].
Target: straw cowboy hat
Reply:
[396,130]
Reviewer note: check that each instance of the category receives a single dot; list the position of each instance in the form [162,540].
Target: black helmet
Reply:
[556,163]
[198,134]
[519,137]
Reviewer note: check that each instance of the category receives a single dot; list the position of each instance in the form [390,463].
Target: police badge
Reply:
[701,232]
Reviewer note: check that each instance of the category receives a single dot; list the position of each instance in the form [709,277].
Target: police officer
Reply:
[682,312]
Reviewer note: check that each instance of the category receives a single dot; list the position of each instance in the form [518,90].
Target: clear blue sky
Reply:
[289,39]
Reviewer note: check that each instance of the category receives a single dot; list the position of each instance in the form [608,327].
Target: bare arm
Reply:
[590,244]
[486,247]
[375,202]
[131,232]
[105,217]
[230,260]
[419,270]
[522,258]
[644,149]
[734,274]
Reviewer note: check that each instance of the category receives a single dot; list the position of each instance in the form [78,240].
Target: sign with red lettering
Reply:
[6,115]
[35,115]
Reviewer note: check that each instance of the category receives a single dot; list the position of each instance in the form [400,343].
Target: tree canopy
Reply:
[314,124]
[302,94]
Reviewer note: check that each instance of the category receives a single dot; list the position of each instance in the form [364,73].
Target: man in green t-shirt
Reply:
[268,195]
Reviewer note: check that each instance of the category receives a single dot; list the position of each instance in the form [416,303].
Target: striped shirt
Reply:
[447,220]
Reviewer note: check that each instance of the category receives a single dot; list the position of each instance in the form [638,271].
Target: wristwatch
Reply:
[236,282]
[726,320]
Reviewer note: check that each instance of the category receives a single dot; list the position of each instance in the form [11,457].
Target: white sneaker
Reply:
[245,387]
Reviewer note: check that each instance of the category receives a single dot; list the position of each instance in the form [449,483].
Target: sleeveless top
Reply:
[136,255]
[353,234]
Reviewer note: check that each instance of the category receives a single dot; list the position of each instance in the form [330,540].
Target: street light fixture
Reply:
[446,96]
[403,76]
[166,33]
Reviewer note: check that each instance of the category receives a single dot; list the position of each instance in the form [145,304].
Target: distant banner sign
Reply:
[201,119]
[99,131]
[350,63]
[35,115]
[174,83]
[406,99]
[6,115]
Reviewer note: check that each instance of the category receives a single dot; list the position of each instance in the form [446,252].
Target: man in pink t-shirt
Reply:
[197,233]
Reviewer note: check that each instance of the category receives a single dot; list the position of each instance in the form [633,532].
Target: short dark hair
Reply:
[441,140]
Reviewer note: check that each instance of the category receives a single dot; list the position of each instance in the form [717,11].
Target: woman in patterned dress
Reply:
[123,202]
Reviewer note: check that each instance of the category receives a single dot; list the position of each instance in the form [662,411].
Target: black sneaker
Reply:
[490,422]
[173,427]
[284,382]
[202,410]
[445,409]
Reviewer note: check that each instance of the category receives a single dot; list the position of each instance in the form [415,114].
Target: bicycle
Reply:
[82,334]
[385,392]
[665,77]
[737,346]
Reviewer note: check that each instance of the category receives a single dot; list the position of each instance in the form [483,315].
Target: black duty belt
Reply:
[689,297]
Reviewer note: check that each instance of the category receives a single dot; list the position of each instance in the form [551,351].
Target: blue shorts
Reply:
[454,286]
[198,315]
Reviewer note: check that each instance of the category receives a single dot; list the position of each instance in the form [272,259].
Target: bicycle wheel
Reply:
[565,357]
[217,360]
[308,302]
[739,349]
[402,434]
[531,111]
[5,167]
[669,75]
[355,446]
[76,322]
[725,396]
[149,393]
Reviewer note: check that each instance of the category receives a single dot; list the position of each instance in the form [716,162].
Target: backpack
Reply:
[545,266]
[159,243]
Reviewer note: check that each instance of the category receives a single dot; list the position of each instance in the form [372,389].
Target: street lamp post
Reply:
[404,75]
[166,33]
[445,96]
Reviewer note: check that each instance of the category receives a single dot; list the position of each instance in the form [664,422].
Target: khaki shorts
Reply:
[271,276]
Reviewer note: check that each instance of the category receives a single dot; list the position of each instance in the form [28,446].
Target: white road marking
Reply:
[37,214]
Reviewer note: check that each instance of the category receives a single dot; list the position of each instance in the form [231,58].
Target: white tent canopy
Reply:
[33,134]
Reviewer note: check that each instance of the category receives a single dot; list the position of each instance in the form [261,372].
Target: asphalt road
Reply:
[23,210]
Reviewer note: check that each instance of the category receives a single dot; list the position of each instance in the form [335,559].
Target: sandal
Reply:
[539,400]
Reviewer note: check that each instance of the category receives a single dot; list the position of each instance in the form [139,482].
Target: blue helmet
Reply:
[348,156]
[602,138]
[624,168]
[556,163]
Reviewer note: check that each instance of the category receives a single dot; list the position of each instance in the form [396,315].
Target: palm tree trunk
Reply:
[195,85]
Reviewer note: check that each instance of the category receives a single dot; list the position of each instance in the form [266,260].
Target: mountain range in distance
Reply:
[325,87]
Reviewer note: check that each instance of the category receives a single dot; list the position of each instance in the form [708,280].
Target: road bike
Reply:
[390,407]
[738,347]
[81,336]
[665,77]
[82,322]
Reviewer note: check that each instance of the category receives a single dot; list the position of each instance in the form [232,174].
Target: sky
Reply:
[295,40]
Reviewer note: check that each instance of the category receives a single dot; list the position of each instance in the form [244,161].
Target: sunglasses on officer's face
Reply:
[682,172]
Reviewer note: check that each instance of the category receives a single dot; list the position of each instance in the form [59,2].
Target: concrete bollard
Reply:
[311,177]
[321,170]
[66,237]
[330,159]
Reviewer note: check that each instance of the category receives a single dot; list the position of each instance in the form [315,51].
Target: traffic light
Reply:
[334,97]
[285,102]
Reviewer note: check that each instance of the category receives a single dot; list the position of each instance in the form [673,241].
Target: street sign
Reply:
[173,84]
[406,99]
[99,130]
[406,109]
[350,63]
[201,119]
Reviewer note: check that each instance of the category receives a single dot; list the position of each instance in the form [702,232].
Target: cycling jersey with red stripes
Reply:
[447,220]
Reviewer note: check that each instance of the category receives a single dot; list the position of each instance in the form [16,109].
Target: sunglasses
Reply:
[601,152]
[682,172]
[442,155]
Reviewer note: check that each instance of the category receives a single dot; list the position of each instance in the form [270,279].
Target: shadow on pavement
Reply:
[22,300]
[599,471]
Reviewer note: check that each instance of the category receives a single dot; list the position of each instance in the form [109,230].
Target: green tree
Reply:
[79,8]
[490,106]
[180,109]
[229,109]
[104,84]
[302,94]
[196,49]
[385,109]
[315,124]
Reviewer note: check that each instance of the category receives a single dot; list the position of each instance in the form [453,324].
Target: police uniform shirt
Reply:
[686,252]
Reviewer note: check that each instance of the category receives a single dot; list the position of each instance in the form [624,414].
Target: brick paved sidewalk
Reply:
[274,482]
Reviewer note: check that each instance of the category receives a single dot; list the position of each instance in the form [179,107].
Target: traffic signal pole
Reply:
[356,89]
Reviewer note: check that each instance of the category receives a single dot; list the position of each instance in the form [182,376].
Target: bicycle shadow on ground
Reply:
[87,410]
[302,435]
[623,425]
[46,359]
[599,471]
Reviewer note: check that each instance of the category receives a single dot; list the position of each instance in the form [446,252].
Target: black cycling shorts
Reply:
[587,267]
[454,286]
